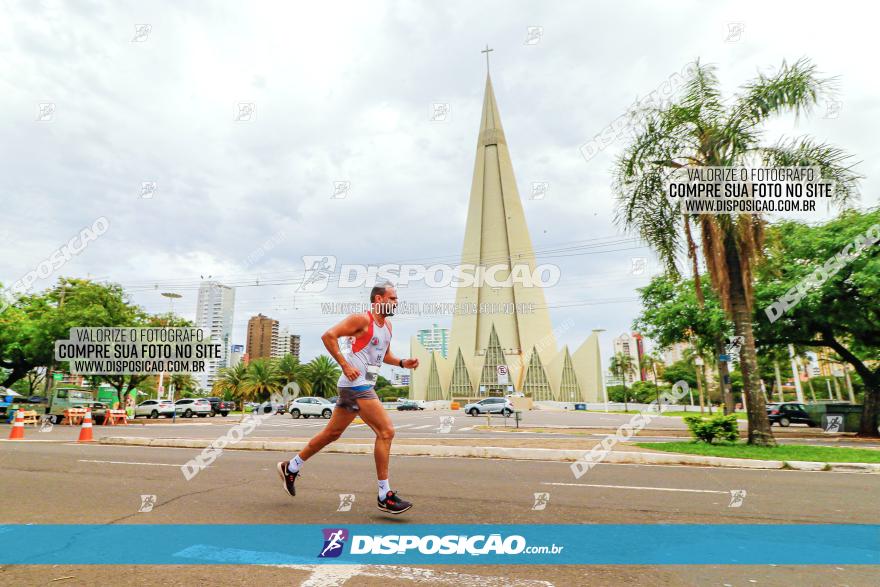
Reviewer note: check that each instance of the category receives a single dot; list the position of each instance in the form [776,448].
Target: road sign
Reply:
[724,358]
[503,374]
[57,376]
[698,361]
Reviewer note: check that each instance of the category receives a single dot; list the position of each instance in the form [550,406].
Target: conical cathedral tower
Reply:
[502,324]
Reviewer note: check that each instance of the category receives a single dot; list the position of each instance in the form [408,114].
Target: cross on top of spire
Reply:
[487,50]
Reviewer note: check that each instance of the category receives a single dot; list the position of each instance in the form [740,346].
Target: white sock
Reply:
[294,465]
[384,488]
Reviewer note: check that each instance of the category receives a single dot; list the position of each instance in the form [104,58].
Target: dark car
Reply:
[219,406]
[402,406]
[36,399]
[99,412]
[789,413]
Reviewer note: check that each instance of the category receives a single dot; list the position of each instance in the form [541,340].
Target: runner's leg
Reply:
[376,417]
[339,421]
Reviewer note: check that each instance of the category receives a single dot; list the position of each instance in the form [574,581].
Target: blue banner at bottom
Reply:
[528,544]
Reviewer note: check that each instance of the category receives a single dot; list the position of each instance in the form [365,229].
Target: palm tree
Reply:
[261,380]
[649,362]
[231,382]
[700,130]
[292,371]
[622,365]
[184,381]
[322,374]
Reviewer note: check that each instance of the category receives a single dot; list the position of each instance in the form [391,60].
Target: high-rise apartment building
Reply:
[215,309]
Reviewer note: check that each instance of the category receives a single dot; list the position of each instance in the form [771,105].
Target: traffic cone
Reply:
[17,432]
[85,433]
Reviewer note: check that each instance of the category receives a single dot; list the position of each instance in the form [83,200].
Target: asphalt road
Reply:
[427,424]
[69,483]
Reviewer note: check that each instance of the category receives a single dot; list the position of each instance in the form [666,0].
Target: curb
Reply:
[496,452]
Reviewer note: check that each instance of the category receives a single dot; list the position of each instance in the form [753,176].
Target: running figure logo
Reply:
[147,503]
[737,496]
[346,500]
[318,269]
[541,501]
[446,423]
[334,540]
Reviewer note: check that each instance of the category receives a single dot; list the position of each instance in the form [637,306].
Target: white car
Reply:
[190,406]
[153,408]
[490,405]
[311,406]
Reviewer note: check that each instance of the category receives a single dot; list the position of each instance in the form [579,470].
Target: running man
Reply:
[360,370]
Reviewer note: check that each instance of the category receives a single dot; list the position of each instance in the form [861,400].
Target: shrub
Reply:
[718,427]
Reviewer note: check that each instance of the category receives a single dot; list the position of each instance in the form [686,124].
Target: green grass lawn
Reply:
[783,452]
[739,415]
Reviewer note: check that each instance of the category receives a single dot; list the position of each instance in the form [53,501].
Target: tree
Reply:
[622,365]
[701,130]
[125,384]
[261,380]
[323,376]
[683,370]
[842,312]
[30,326]
[184,382]
[292,371]
[231,384]
[649,362]
[671,313]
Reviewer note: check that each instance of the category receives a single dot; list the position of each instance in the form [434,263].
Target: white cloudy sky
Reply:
[343,92]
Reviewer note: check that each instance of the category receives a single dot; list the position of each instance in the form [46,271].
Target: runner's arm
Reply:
[392,359]
[352,326]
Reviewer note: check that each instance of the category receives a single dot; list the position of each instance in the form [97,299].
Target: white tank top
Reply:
[367,350]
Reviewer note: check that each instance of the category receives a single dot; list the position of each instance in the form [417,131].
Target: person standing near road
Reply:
[371,332]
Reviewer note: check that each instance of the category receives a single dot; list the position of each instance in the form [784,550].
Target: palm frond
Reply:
[834,164]
[793,88]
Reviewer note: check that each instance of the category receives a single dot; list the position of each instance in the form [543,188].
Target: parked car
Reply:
[219,406]
[311,406]
[273,408]
[490,405]
[153,408]
[37,399]
[99,412]
[408,405]
[190,406]
[789,413]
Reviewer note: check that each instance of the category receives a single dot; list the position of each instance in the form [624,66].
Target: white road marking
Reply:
[331,575]
[636,487]
[357,426]
[336,575]
[129,463]
[466,428]
[421,427]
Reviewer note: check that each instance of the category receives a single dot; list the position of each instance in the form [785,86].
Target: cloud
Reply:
[343,92]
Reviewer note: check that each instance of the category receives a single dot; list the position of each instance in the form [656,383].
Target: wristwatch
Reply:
[401,363]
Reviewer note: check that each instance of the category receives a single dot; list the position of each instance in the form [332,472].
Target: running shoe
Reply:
[288,477]
[393,504]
